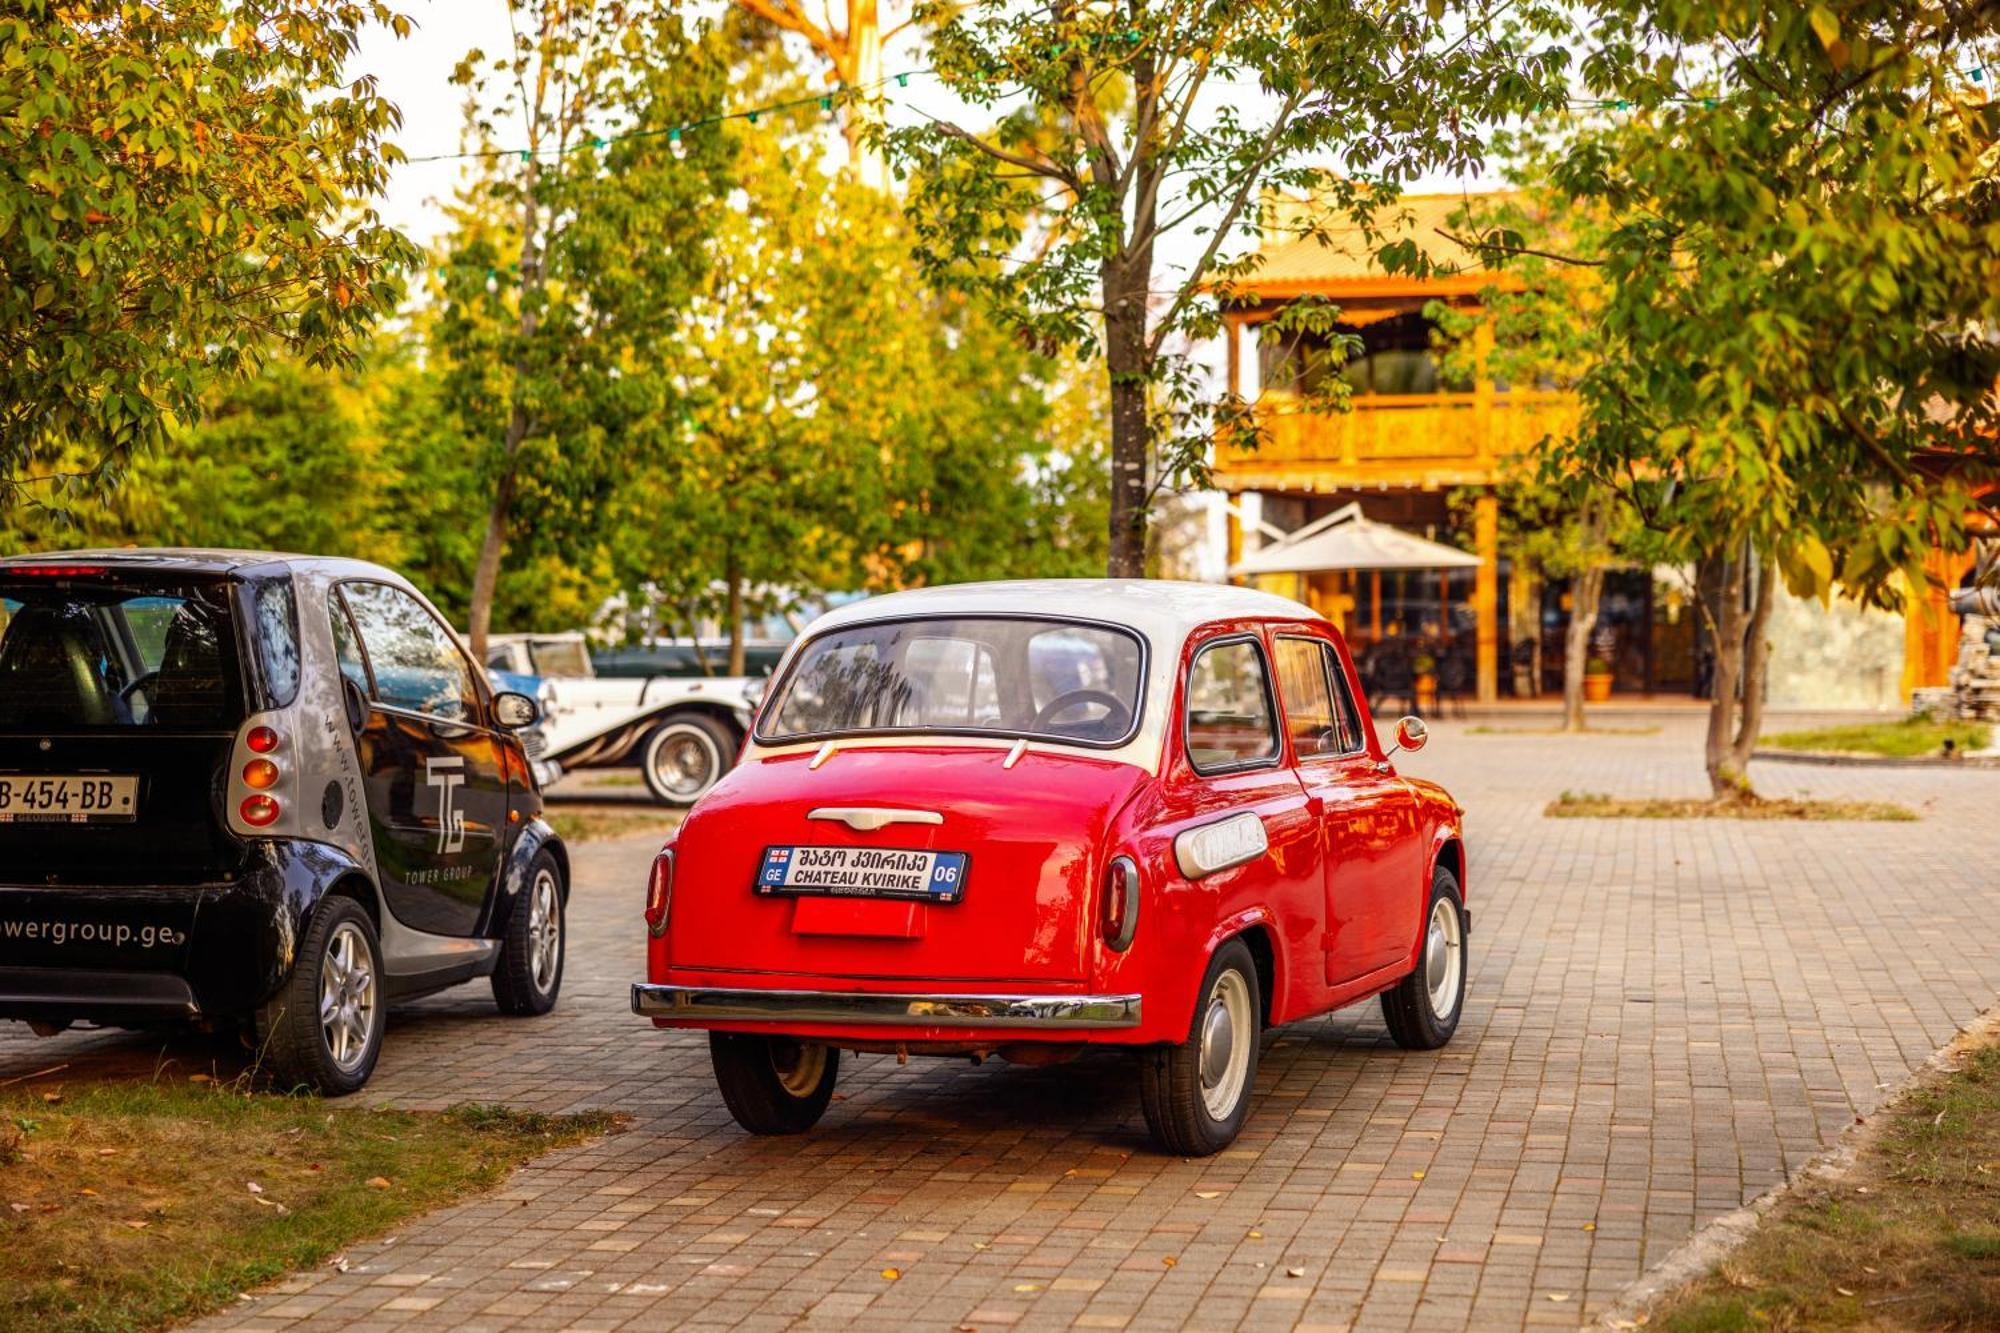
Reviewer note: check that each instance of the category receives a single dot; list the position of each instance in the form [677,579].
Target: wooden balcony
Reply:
[1431,441]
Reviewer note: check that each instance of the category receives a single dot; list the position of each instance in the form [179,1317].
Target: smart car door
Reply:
[431,766]
[1362,811]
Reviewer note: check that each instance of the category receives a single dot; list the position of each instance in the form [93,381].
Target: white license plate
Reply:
[72,798]
[863,872]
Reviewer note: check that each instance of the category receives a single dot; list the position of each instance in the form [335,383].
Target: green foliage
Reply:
[1135,133]
[183,188]
[1801,270]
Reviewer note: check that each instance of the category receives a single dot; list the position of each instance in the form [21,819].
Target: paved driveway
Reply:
[1665,1019]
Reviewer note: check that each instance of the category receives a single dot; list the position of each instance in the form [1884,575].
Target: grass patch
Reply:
[1907,1239]
[1483,730]
[1597,805]
[1910,738]
[588,825]
[131,1205]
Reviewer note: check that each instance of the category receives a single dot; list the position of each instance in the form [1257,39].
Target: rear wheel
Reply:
[773,1085]
[1422,1010]
[323,1029]
[1196,1095]
[684,756]
[529,975]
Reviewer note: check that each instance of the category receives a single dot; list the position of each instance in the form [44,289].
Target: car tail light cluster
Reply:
[261,809]
[660,892]
[1120,909]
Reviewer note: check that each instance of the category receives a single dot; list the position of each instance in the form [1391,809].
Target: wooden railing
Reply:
[1440,439]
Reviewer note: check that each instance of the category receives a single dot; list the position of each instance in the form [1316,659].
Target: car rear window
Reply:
[1054,679]
[88,655]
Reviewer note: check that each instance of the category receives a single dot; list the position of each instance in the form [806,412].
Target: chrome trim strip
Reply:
[1060,1013]
[868,818]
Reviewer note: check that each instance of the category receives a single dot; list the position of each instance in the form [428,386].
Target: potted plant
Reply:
[1425,666]
[1597,678]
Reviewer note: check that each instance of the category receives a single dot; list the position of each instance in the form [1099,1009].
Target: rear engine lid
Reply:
[939,864]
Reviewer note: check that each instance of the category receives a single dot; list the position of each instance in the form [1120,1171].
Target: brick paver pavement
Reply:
[1665,1018]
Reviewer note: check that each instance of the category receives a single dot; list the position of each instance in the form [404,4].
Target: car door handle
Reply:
[868,818]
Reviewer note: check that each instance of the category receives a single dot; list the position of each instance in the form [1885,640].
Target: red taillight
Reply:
[263,740]
[56,571]
[260,774]
[257,811]
[660,892]
[1120,912]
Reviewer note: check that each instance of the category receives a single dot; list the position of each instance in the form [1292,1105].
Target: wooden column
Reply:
[1486,594]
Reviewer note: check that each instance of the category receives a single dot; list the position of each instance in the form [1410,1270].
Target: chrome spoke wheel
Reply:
[685,763]
[347,997]
[545,926]
[1444,958]
[1226,1033]
[799,1065]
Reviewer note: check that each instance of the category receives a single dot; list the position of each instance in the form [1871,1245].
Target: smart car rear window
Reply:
[1009,676]
[86,655]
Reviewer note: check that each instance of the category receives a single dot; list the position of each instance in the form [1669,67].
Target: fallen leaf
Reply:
[338,1263]
[1843,1291]
[1256,1235]
[840,1096]
[255,1188]
[1208,1194]
[1295,1272]
[1416,1175]
[892,1273]
[18,1207]
[1590,1226]
[138,1225]
[52,1097]
[981,1245]
[1170,1261]
[201,1078]
[88,1193]
[107,1152]
[1027,1286]
[378,1182]
[1558,1295]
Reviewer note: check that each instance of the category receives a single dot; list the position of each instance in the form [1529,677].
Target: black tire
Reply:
[773,1085]
[298,1049]
[529,976]
[1178,1101]
[1413,1015]
[684,756]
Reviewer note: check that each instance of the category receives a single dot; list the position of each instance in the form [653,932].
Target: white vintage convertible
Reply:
[684,734]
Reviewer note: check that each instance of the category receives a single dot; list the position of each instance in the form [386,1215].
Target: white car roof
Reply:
[1163,610]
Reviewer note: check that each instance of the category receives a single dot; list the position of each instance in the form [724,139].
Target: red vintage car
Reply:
[1019,819]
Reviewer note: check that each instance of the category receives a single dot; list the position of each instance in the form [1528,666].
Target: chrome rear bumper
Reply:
[1060,1013]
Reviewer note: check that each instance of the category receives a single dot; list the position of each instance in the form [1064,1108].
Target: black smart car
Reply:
[259,791]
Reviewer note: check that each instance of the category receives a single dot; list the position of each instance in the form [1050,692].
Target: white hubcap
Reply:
[799,1066]
[544,931]
[1226,1025]
[685,762]
[347,996]
[1444,958]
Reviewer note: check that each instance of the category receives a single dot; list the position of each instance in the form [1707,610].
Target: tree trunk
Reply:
[1586,596]
[1723,580]
[1756,670]
[1131,432]
[863,73]
[486,575]
[733,576]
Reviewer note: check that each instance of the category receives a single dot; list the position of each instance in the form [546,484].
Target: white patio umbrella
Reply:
[1346,540]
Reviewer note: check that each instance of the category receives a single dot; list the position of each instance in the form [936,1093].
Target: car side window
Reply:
[415,663]
[347,646]
[1351,737]
[1305,682]
[1230,720]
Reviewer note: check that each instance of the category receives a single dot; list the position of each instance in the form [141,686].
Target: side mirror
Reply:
[514,711]
[1411,733]
[356,704]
